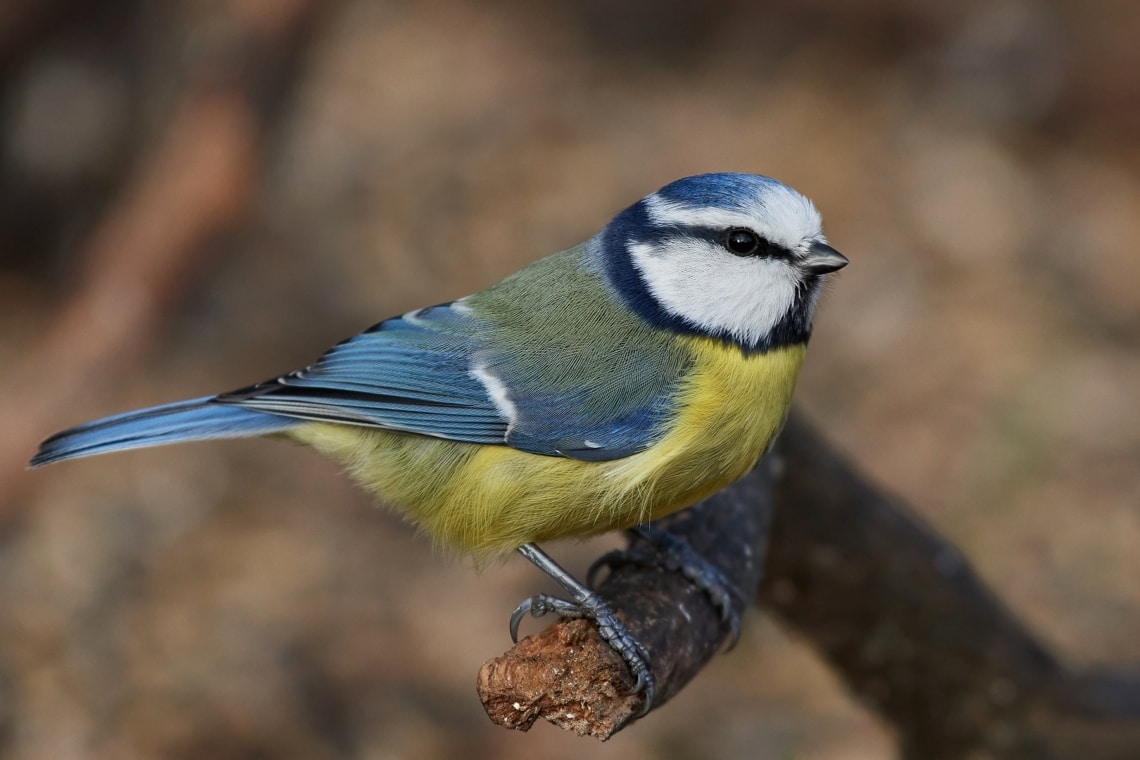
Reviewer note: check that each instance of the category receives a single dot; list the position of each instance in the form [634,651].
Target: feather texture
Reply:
[486,500]
[192,420]
[593,384]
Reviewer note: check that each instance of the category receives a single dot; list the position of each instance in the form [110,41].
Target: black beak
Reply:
[821,259]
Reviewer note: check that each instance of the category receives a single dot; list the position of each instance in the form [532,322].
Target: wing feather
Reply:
[511,365]
[410,373]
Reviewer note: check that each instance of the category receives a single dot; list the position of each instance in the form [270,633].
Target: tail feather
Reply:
[191,420]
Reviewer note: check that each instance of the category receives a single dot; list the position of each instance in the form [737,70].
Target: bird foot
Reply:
[673,554]
[589,605]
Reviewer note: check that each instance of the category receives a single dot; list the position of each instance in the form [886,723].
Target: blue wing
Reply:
[440,372]
[506,368]
[410,373]
[569,424]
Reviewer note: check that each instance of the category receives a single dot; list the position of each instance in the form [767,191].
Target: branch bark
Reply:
[891,605]
[915,632]
[569,676]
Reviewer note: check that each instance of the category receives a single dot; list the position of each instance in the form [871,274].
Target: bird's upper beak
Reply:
[821,258]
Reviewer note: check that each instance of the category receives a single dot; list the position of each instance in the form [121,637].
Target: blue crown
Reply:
[728,190]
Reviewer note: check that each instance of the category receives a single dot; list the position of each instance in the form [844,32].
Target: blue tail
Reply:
[191,420]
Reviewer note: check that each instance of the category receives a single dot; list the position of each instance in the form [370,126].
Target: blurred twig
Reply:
[197,181]
[24,22]
[893,606]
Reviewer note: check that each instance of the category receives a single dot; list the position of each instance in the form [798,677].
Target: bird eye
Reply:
[742,242]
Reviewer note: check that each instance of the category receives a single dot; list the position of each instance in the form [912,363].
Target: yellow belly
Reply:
[491,499]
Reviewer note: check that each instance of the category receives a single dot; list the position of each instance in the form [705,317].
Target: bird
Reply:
[596,389]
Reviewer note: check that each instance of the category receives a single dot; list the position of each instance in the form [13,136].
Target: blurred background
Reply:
[198,195]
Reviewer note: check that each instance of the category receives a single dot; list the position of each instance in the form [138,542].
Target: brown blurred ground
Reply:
[978,163]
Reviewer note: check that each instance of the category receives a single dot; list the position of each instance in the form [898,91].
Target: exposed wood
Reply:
[569,676]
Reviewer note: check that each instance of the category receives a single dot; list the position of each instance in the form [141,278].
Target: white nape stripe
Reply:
[781,215]
[497,391]
[462,306]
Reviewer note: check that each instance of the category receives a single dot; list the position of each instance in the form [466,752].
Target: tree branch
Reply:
[915,632]
[892,606]
[569,676]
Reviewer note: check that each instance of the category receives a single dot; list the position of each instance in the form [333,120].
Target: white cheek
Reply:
[715,290]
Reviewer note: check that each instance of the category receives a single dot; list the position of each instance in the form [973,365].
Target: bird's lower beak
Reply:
[821,259]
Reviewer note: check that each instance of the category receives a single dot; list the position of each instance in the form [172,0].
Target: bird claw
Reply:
[539,605]
[610,628]
[675,555]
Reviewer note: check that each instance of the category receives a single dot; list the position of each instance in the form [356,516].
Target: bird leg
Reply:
[585,603]
[674,554]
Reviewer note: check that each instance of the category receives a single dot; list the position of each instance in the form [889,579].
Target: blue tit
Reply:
[596,389]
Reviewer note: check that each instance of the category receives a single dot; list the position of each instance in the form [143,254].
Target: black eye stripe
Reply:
[662,235]
[741,241]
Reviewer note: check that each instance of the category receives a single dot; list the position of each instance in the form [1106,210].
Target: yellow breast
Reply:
[491,499]
[731,409]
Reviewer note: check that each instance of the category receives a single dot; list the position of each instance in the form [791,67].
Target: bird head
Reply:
[736,257]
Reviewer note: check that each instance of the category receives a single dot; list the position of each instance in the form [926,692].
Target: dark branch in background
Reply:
[890,604]
[917,635]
